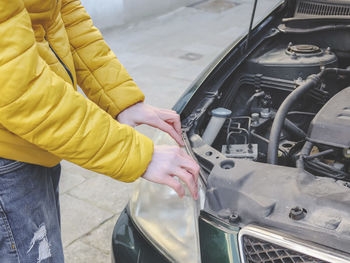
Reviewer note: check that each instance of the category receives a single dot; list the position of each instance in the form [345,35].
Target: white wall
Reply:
[108,13]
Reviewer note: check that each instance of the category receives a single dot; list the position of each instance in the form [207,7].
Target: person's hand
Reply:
[170,161]
[165,120]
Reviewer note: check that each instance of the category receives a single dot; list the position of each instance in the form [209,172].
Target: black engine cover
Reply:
[331,126]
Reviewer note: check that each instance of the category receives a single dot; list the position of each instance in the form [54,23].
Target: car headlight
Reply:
[170,223]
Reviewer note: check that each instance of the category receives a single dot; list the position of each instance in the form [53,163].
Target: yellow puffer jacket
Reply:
[47,47]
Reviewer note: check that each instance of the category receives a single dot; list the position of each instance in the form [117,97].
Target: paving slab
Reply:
[216,6]
[103,192]
[69,180]
[101,237]
[79,218]
[79,252]
[68,167]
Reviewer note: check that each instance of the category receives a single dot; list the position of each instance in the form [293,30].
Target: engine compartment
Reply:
[268,76]
[278,115]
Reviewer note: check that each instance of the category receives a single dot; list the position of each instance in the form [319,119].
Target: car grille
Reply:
[260,251]
[317,8]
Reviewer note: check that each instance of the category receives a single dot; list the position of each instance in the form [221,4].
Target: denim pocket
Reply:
[9,166]
[6,235]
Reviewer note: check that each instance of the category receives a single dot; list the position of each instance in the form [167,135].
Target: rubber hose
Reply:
[336,71]
[272,154]
[249,103]
[290,126]
[305,151]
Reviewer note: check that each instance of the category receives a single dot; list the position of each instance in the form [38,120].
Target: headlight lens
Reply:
[168,221]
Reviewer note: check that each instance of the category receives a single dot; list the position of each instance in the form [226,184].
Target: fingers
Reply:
[190,166]
[187,171]
[176,185]
[168,111]
[170,161]
[167,121]
[172,118]
[162,125]
[176,124]
[187,178]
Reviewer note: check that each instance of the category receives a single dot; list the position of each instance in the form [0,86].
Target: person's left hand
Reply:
[165,120]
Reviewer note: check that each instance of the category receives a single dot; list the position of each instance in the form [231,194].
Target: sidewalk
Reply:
[164,55]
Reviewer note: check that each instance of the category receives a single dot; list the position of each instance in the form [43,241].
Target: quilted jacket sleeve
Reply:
[42,108]
[100,74]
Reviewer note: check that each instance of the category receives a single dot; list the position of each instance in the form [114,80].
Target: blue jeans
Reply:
[30,229]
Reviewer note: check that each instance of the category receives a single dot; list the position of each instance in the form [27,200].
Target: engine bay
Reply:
[269,126]
[310,131]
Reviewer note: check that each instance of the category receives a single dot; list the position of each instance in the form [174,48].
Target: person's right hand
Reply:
[170,161]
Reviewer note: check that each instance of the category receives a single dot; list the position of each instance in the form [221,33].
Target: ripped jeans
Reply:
[30,229]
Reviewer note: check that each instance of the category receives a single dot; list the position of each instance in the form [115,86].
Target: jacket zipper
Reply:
[64,65]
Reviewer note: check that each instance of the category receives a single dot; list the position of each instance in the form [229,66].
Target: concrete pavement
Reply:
[110,13]
[164,55]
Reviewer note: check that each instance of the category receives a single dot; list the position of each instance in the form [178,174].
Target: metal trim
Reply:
[288,242]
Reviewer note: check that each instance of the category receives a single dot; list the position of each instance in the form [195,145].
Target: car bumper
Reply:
[130,245]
